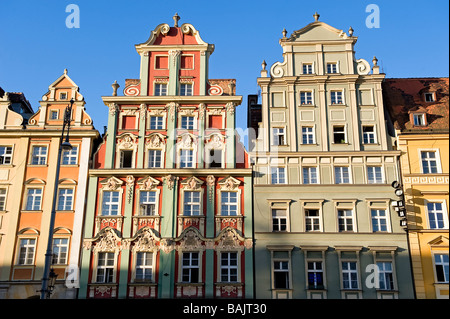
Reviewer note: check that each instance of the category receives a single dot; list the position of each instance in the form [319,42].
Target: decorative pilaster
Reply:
[174,66]
[111,135]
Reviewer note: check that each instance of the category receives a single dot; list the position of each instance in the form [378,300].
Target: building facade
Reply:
[323,168]
[419,108]
[169,203]
[29,145]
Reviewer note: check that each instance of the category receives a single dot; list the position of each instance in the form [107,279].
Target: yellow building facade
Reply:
[419,108]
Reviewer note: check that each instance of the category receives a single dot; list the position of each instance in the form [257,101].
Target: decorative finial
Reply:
[175,18]
[284,33]
[263,64]
[316,16]
[115,86]
[375,61]
[65,71]
[350,31]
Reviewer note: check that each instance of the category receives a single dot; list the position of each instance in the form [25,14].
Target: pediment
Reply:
[192,183]
[318,31]
[111,184]
[229,183]
[148,183]
[440,241]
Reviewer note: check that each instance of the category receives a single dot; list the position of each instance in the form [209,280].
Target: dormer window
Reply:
[63,96]
[419,119]
[429,97]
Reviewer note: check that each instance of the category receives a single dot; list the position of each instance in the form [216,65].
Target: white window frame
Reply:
[34,197]
[152,158]
[70,155]
[65,97]
[189,201]
[145,267]
[60,248]
[186,88]
[308,135]
[349,272]
[346,218]
[280,176]
[66,198]
[52,113]
[382,275]
[437,159]
[433,97]
[309,168]
[370,135]
[282,269]
[375,220]
[308,65]
[107,268]
[3,198]
[148,202]
[278,132]
[344,126]
[160,89]
[334,97]
[189,119]
[111,203]
[279,218]
[228,204]
[189,267]
[39,156]
[307,96]
[419,119]
[317,218]
[159,122]
[374,174]
[229,268]
[440,263]
[30,248]
[341,174]
[443,211]
[186,160]
[335,68]
[6,155]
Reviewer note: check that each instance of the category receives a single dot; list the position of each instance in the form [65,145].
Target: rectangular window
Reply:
[63,96]
[374,175]
[34,199]
[110,204]
[69,157]
[307,68]
[341,175]
[419,119]
[65,199]
[310,175]
[60,250]
[186,158]
[279,137]
[2,199]
[315,275]
[436,215]
[345,220]
[160,89]
[215,158]
[349,275]
[191,204]
[306,98]
[154,159]
[379,220]
[336,97]
[229,204]
[228,267]
[312,220]
[187,122]
[53,115]
[5,155]
[190,268]
[126,159]
[308,135]
[105,268]
[144,267]
[26,251]
[385,275]
[39,155]
[281,274]
[339,136]
[332,68]
[156,122]
[429,162]
[441,267]
[147,201]
[369,135]
[279,220]
[186,89]
[429,97]
[278,175]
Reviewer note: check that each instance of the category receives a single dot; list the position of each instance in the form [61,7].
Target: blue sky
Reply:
[36,46]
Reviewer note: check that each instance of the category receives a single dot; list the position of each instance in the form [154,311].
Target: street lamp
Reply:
[49,277]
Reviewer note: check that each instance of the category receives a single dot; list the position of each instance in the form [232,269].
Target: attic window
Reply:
[429,97]
[63,96]
[419,119]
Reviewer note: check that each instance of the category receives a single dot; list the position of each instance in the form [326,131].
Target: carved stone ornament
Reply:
[210,180]
[229,183]
[148,183]
[130,186]
[201,110]
[190,240]
[216,141]
[229,239]
[145,240]
[192,183]
[166,245]
[113,108]
[127,141]
[111,184]
[170,181]
[142,110]
[362,67]
[155,141]
[185,141]
[215,111]
[107,240]
[230,107]
[170,108]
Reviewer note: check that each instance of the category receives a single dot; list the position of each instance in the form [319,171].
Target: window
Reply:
[60,249]
[429,162]
[349,275]
[436,215]
[341,175]
[5,155]
[126,159]
[308,135]
[187,122]
[186,158]
[105,268]
[53,115]
[374,175]
[26,251]
[379,220]
[345,220]
[69,157]
[332,68]
[429,97]
[279,137]
[156,122]
[312,220]
[306,98]
[215,158]
[315,275]
[369,135]
[336,97]
[281,274]
[385,275]
[441,267]
[339,136]
[191,203]
[419,119]
[228,267]
[190,267]
[278,175]
[229,204]
[63,96]
[160,89]
[2,199]
[39,155]
[279,220]
[154,159]
[34,198]
[110,204]
[147,201]
[144,267]
[307,68]
[310,175]
[186,89]
[65,199]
